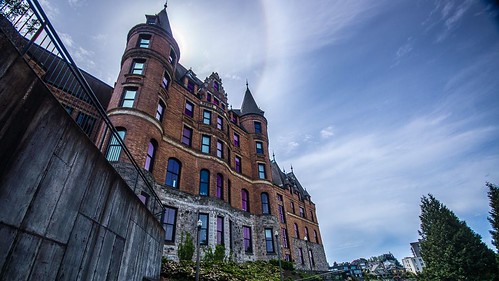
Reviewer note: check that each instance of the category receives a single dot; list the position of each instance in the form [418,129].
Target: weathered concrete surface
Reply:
[65,214]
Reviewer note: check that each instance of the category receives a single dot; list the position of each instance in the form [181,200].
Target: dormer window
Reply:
[150,19]
[190,86]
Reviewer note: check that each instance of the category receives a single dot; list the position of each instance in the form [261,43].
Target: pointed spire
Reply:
[161,20]
[166,4]
[273,156]
[249,105]
[291,168]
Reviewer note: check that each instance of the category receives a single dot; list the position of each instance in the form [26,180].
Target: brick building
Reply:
[209,162]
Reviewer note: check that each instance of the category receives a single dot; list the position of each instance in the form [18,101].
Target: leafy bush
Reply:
[216,256]
[186,247]
[286,265]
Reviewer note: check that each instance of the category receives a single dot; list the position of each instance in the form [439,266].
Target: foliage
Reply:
[185,247]
[216,256]
[450,249]
[286,265]
[493,195]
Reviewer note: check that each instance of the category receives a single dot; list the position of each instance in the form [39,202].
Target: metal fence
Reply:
[28,28]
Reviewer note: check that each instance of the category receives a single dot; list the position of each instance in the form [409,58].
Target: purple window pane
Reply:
[208,97]
[219,186]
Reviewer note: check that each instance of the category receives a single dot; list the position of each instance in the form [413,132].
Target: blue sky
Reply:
[374,103]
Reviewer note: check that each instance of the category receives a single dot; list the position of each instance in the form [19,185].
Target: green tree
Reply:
[493,194]
[450,249]
[185,247]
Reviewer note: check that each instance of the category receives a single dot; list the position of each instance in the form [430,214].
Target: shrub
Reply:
[186,247]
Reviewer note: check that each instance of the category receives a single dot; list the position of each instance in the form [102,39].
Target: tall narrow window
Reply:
[114,147]
[293,207]
[205,144]
[216,86]
[302,212]
[173,173]
[259,147]
[306,233]
[203,233]
[206,117]
[220,123]
[138,66]
[166,80]
[204,182]
[245,200]
[238,164]
[258,127]
[220,149]
[160,110]
[189,109]
[265,203]
[261,171]
[144,40]
[269,240]
[300,256]
[311,215]
[169,222]
[151,151]
[172,56]
[128,97]
[187,136]
[311,258]
[282,218]
[220,230]
[285,242]
[316,238]
[236,139]
[231,242]
[220,186]
[248,248]
[297,232]
[208,97]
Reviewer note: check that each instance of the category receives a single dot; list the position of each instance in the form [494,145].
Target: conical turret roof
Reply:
[161,20]
[249,105]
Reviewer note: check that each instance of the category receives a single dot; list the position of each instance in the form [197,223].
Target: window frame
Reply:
[173,175]
[238,165]
[206,117]
[149,163]
[126,99]
[172,225]
[236,140]
[269,240]
[205,144]
[264,197]
[114,149]
[220,231]
[245,202]
[258,127]
[144,38]
[220,122]
[262,174]
[204,228]
[187,139]
[220,186]
[259,147]
[204,182]
[187,111]
[138,67]
[247,240]
[160,110]
[220,149]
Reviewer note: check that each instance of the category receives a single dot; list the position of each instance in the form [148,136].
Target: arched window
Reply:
[306,233]
[265,203]
[297,232]
[114,147]
[220,186]
[151,152]
[245,200]
[204,182]
[173,172]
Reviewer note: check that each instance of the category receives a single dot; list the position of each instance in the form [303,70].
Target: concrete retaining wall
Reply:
[65,214]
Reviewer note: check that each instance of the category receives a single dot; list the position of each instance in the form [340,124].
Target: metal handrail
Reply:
[29,31]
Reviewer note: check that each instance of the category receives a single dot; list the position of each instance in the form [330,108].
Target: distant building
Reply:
[415,263]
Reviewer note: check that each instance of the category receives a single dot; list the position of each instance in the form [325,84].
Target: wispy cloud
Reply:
[450,14]
[327,132]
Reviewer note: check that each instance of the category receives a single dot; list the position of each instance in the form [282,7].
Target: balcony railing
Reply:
[28,28]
